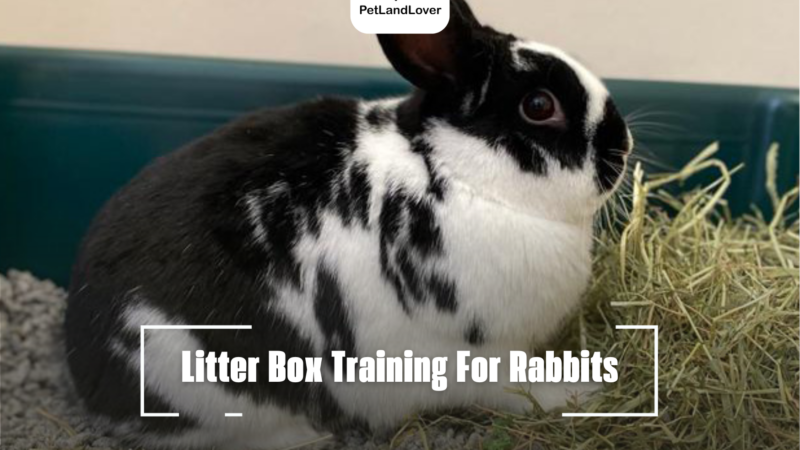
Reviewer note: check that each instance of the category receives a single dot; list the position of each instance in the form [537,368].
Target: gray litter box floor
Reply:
[38,408]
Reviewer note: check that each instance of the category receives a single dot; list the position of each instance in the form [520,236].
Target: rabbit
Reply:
[459,217]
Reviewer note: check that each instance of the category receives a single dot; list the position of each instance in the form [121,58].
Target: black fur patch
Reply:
[379,116]
[424,233]
[391,216]
[436,183]
[359,191]
[444,293]
[389,223]
[474,334]
[610,141]
[332,316]
[409,238]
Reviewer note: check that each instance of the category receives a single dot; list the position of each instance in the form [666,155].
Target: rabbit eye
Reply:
[541,107]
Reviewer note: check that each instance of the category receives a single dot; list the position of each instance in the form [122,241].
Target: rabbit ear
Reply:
[431,61]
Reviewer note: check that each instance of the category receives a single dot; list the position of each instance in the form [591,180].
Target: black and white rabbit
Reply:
[457,218]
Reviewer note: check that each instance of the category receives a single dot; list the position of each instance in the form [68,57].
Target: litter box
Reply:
[75,126]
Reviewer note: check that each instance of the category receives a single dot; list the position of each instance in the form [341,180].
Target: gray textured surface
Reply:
[38,408]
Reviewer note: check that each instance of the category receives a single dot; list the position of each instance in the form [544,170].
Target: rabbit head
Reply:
[517,121]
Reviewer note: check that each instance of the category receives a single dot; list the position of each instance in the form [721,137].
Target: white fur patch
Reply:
[563,195]
[254,211]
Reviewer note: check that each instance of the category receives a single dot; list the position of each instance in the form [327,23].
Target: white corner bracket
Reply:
[174,327]
[655,381]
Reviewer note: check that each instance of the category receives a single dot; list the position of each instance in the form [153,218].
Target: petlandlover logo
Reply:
[400,16]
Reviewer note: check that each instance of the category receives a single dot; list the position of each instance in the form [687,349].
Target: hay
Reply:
[724,293]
